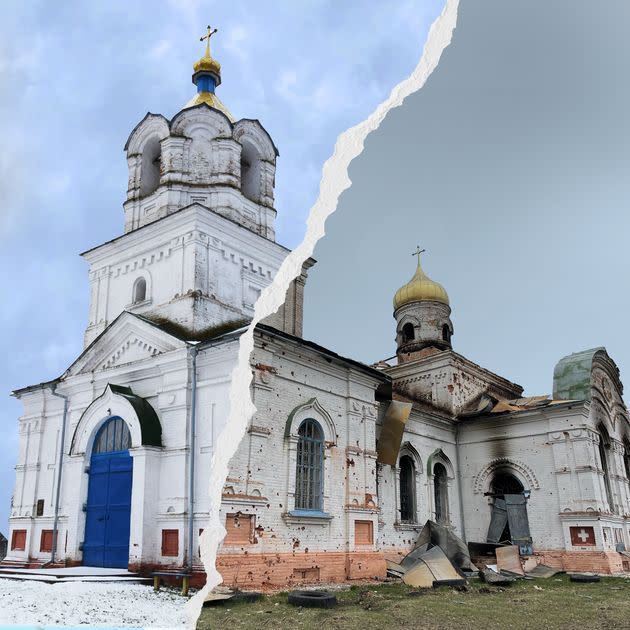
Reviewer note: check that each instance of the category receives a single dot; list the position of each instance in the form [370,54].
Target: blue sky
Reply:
[76,77]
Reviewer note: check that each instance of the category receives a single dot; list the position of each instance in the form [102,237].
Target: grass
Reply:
[552,604]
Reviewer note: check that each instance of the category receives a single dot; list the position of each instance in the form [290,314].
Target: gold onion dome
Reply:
[420,288]
[207,76]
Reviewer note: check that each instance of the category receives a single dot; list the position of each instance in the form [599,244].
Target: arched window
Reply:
[150,169]
[407,489]
[309,478]
[112,436]
[604,446]
[139,290]
[446,333]
[440,492]
[408,333]
[250,172]
[626,457]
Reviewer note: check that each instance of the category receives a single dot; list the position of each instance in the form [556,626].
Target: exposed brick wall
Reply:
[589,561]
[288,569]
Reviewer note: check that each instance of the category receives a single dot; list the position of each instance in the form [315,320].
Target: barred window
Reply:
[310,466]
[407,489]
[112,436]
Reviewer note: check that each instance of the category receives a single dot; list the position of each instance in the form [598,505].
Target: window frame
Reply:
[411,486]
[114,437]
[311,502]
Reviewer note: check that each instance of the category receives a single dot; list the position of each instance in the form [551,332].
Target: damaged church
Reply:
[342,463]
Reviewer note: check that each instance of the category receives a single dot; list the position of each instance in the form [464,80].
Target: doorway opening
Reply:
[108,508]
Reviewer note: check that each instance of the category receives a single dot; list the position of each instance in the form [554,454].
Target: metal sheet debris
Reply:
[438,555]
[391,434]
[543,571]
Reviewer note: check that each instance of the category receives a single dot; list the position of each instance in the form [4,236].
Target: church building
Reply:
[343,462]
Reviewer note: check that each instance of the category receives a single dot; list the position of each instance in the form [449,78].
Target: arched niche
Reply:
[522,472]
[311,409]
[142,420]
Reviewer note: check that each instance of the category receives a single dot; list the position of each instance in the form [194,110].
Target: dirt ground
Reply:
[554,603]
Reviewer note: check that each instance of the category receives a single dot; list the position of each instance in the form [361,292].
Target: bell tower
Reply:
[199,239]
[423,316]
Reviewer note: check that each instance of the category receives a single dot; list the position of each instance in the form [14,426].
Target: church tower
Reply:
[199,242]
[423,317]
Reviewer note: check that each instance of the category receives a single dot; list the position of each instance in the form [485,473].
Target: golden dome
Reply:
[419,288]
[207,76]
[207,64]
[210,99]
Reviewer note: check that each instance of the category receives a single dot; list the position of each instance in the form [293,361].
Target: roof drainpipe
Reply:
[59,469]
[459,482]
[191,459]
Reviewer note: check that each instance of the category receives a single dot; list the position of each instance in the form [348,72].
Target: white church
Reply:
[342,463]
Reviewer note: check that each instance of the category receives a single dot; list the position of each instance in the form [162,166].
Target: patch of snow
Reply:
[90,603]
[68,571]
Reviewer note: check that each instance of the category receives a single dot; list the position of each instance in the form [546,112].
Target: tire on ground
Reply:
[583,578]
[313,599]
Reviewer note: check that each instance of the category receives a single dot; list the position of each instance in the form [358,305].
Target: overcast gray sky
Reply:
[76,77]
[511,167]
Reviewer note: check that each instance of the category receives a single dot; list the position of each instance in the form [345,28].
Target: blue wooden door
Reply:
[108,516]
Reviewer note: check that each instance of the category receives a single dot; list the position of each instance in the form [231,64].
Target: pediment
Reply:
[128,339]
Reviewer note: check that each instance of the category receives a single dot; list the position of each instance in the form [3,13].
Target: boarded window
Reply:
[407,490]
[440,493]
[582,536]
[239,528]
[18,539]
[170,542]
[363,533]
[310,574]
[46,540]
[310,467]
[39,510]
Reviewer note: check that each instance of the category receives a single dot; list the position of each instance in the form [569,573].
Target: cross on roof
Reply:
[418,252]
[211,32]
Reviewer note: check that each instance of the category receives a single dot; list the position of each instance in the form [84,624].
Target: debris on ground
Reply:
[439,557]
[509,560]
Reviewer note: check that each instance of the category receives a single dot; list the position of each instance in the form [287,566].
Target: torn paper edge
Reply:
[334,181]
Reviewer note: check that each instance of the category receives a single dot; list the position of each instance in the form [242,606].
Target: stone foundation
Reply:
[288,569]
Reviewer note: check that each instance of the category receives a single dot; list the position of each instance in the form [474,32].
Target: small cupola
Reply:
[207,77]
[423,315]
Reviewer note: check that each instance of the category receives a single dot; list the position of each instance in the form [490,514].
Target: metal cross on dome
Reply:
[418,252]
[211,32]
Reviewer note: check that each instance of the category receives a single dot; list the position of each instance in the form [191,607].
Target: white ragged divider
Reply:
[334,181]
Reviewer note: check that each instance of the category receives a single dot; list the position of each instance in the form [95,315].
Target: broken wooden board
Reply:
[509,559]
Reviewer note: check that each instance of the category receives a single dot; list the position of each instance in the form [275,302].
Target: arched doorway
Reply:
[108,513]
[503,483]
